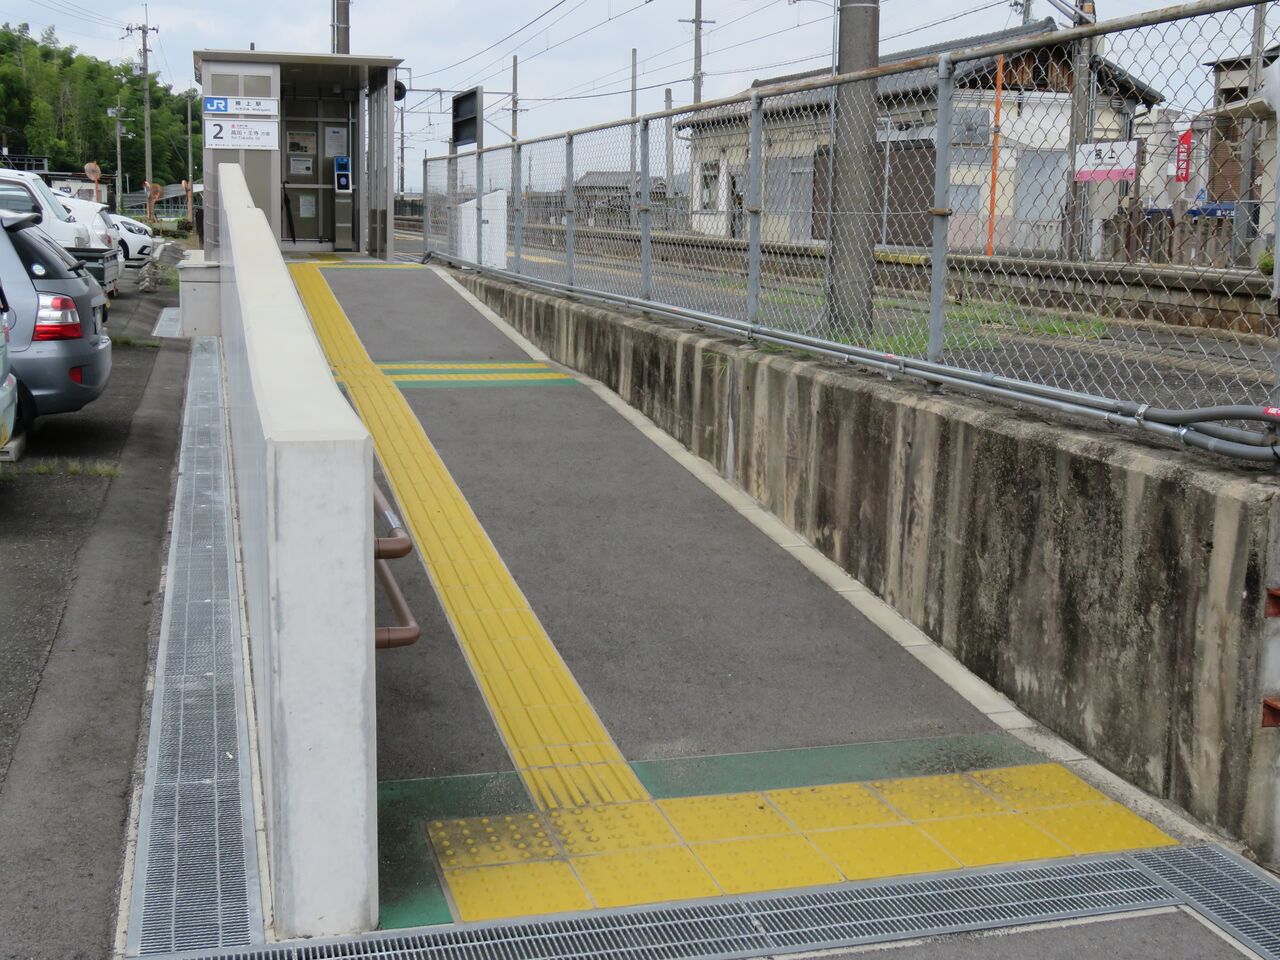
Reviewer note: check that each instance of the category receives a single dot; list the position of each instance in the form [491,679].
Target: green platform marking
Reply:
[463,384]
[813,766]
[409,890]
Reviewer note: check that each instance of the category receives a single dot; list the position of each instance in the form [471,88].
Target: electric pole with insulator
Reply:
[145,28]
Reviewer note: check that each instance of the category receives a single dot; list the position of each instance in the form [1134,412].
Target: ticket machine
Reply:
[343,205]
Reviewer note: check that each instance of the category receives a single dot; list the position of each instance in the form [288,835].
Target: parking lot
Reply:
[82,516]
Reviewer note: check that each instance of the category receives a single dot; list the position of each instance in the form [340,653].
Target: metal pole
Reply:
[646,217]
[1077,212]
[568,209]
[426,208]
[1245,218]
[341,26]
[854,166]
[631,186]
[669,133]
[451,215]
[402,150]
[884,193]
[697,51]
[517,202]
[515,101]
[119,159]
[941,210]
[755,167]
[479,207]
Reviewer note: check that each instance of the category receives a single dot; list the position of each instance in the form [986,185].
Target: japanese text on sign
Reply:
[1106,160]
[241,134]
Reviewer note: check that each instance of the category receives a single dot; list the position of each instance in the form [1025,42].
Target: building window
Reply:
[710,196]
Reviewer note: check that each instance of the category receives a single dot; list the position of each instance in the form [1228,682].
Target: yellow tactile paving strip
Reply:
[596,838]
[696,847]
[560,747]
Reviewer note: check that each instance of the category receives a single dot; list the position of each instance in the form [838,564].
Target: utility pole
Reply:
[341,26]
[697,22]
[191,179]
[145,28]
[1076,240]
[1244,227]
[854,166]
[116,113]
[515,99]
[1025,6]
[633,186]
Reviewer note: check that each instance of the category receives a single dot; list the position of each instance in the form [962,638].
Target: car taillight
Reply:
[57,318]
[77,374]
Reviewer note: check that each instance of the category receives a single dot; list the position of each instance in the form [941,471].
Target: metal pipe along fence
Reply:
[1081,219]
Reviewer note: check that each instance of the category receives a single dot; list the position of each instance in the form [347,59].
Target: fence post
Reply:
[479,208]
[941,211]
[451,215]
[517,209]
[755,167]
[568,209]
[426,212]
[646,216]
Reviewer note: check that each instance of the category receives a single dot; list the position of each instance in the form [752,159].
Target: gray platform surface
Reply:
[691,632]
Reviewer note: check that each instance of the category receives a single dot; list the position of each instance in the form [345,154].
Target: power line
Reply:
[935,23]
[550,9]
[580,33]
[71,10]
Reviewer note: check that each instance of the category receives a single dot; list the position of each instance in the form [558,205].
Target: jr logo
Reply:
[215,104]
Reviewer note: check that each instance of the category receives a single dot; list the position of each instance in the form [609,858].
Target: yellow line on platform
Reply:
[483,377]
[470,365]
[557,741]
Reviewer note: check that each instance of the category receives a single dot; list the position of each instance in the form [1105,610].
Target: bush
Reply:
[184,226]
[1267,262]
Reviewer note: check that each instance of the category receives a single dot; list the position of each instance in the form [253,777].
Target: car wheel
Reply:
[25,420]
[125,247]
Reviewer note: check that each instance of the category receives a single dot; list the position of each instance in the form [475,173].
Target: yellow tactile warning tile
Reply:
[653,875]
[610,829]
[863,853]
[516,890]
[926,798]
[1040,785]
[837,805]
[483,841]
[495,626]
[1098,827]
[995,838]
[766,863]
[724,817]
[597,837]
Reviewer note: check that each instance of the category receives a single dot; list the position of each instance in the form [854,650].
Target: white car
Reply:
[136,238]
[24,192]
[103,233]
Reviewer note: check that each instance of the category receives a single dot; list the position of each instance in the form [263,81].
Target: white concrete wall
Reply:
[303,470]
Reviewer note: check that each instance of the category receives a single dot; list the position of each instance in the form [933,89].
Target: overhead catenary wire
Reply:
[551,9]
[80,13]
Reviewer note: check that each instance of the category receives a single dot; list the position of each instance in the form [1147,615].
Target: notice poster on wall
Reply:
[306,206]
[299,165]
[302,141]
[335,142]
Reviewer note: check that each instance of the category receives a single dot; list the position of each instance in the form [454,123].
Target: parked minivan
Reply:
[58,344]
[24,192]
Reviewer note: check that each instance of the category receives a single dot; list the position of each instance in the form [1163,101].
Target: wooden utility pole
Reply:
[145,28]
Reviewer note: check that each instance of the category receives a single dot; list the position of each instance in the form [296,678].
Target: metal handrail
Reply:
[397,544]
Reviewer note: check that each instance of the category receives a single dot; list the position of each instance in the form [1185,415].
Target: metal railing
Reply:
[1077,218]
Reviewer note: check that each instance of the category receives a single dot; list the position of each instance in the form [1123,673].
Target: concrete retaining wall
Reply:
[303,472]
[1114,591]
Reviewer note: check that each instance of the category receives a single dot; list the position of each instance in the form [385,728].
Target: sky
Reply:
[580,49]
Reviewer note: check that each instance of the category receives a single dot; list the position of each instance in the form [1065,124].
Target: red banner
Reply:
[1182,160]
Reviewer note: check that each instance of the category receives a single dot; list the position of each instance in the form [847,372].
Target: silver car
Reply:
[8,382]
[58,344]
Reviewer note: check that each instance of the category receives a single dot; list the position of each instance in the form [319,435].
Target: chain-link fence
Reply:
[1083,217]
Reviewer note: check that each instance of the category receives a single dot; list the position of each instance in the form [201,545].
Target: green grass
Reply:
[51,467]
[124,340]
[1000,315]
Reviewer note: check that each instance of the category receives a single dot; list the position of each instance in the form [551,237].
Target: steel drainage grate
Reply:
[765,925]
[169,323]
[196,874]
[1231,892]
